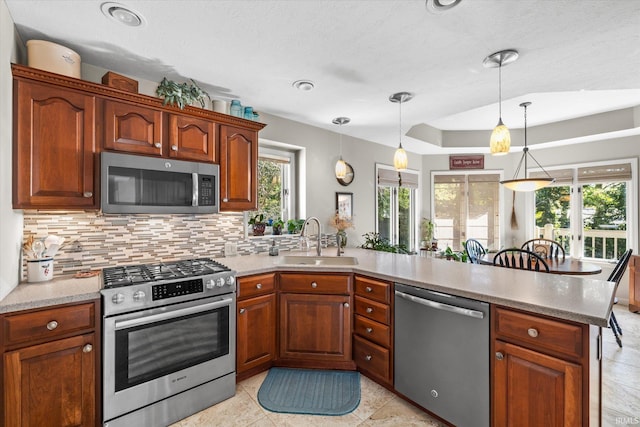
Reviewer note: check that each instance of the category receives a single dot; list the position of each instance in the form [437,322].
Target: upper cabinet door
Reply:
[191,138]
[54,145]
[238,169]
[133,129]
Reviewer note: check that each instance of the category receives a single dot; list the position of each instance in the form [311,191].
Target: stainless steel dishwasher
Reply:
[442,354]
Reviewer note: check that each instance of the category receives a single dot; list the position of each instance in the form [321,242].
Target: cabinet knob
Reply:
[174,147]
[87,194]
[369,330]
[157,145]
[241,310]
[314,285]
[368,289]
[499,356]
[368,357]
[532,332]
[225,200]
[259,286]
[87,348]
[346,304]
[369,310]
[52,325]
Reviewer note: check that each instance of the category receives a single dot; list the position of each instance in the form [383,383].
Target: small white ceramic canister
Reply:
[39,270]
[220,106]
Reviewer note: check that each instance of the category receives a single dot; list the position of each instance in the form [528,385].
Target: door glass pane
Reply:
[404,217]
[483,219]
[449,213]
[604,219]
[553,215]
[384,212]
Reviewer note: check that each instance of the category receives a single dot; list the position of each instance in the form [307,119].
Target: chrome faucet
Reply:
[304,227]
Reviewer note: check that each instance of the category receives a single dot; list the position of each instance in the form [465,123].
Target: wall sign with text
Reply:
[466,162]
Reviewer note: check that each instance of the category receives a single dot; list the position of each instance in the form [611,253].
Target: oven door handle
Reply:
[123,324]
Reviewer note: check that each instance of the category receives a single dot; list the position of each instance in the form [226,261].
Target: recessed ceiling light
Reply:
[438,6]
[304,85]
[122,14]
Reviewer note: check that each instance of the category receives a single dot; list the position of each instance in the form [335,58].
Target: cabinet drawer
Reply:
[256,285]
[373,310]
[374,331]
[315,283]
[372,358]
[373,289]
[52,323]
[542,333]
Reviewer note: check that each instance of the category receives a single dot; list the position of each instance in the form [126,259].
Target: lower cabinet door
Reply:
[534,389]
[256,342]
[51,384]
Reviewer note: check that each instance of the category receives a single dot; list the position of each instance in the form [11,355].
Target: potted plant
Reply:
[294,225]
[277,226]
[428,228]
[258,224]
[181,94]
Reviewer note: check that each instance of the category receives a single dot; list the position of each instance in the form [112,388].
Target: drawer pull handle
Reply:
[369,330]
[174,147]
[259,286]
[314,285]
[368,289]
[157,145]
[368,357]
[241,310]
[369,310]
[532,332]
[52,325]
[499,356]
[87,348]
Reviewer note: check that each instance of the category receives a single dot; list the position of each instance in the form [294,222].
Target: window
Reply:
[396,206]
[589,209]
[466,206]
[276,184]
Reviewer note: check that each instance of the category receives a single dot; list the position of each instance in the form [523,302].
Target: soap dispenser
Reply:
[273,250]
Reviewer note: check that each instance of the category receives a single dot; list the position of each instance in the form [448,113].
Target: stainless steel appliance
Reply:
[442,354]
[141,184]
[169,339]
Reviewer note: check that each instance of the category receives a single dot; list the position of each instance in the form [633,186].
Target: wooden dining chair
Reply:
[521,259]
[474,250]
[545,248]
[616,276]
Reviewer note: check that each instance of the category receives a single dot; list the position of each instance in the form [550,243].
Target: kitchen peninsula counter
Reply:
[582,300]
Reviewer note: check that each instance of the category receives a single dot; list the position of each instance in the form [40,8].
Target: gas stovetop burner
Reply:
[135,274]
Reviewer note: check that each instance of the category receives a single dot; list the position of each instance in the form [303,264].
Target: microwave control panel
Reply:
[206,190]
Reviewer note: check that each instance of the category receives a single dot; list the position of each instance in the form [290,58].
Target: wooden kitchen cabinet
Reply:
[634,283]
[51,366]
[315,320]
[133,129]
[373,338]
[53,145]
[256,321]
[544,370]
[238,168]
[192,138]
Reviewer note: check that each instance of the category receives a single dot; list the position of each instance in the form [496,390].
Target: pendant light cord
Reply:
[526,149]
[500,90]
[400,123]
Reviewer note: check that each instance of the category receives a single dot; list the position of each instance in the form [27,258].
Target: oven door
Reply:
[153,354]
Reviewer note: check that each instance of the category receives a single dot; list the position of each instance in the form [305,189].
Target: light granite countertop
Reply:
[579,299]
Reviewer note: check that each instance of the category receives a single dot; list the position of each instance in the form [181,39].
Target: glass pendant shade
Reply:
[341,168]
[500,139]
[400,161]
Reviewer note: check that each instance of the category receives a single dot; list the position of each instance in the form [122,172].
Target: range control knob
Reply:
[220,282]
[138,295]
[117,299]
[210,284]
[231,280]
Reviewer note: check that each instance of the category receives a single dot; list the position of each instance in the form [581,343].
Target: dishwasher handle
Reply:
[441,306]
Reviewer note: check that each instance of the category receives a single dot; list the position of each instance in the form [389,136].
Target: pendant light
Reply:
[500,137]
[400,161]
[527,184]
[341,166]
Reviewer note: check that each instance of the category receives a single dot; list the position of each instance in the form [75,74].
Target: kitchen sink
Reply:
[318,260]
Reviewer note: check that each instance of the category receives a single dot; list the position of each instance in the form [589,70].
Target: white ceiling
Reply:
[577,58]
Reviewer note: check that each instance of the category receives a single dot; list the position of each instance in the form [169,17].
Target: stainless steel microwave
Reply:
[151,185]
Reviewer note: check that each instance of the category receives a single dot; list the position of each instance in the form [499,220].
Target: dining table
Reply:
[565,265]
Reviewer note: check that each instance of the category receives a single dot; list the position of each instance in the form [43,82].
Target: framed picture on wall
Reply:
[344,204]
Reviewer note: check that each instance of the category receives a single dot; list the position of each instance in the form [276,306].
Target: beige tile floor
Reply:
[380,407]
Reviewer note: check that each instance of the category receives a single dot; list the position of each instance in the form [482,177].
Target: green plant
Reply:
[456,256]
[374,241]
[294,225]
[428,228]
[256,219]
[277,226]
[181,94]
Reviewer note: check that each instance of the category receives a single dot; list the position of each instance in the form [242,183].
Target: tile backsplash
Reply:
[95,240]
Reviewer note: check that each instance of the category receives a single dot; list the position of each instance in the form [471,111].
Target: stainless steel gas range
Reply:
[168,341]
